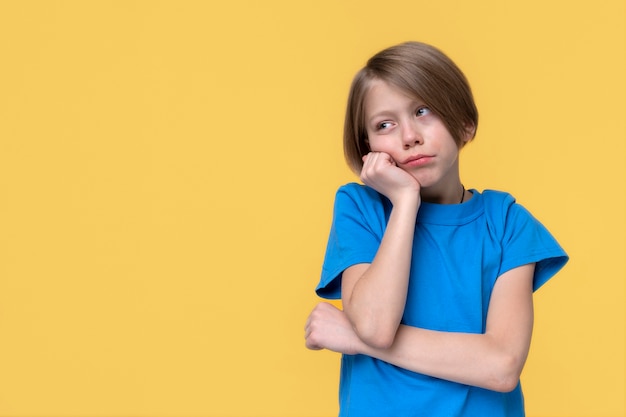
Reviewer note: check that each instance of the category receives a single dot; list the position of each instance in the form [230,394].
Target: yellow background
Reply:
[167,171]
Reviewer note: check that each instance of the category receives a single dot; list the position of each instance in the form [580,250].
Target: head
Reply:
[423,72]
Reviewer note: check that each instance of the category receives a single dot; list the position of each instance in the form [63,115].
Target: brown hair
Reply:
[423,72]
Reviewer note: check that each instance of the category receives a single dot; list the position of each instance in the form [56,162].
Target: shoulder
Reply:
[523,237]
[497,199]
[506,207]
[499,205]
[358,192]
[362,205]
[359,196]
[505,215]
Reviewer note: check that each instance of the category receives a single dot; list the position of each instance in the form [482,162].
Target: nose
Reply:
[411,136]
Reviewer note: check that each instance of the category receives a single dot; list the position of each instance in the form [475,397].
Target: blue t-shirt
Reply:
[459,251]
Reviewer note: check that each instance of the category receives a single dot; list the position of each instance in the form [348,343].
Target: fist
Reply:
[327,327]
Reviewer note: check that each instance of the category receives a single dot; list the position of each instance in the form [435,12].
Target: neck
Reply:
[452,195]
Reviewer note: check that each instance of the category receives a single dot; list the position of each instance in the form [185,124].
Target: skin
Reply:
[414,158]
[399,128]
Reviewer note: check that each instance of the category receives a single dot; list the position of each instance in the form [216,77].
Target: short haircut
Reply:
[421,71]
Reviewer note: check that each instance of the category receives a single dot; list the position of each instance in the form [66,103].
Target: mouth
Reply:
[417,160]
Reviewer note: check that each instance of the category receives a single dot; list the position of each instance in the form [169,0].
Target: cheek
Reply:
[446,141]
[378,145]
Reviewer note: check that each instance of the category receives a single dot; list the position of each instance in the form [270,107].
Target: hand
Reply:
[382,174]
[327,327]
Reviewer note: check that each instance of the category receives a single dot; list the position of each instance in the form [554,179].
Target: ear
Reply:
[470,132]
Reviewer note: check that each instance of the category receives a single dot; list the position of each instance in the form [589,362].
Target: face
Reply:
[414,137]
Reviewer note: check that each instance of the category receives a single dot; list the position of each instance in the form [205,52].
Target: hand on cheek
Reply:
[382,173]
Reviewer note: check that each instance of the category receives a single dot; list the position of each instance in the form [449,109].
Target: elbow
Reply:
[505,385]
[375,337]
[378,342]
[377,331]
[506,375]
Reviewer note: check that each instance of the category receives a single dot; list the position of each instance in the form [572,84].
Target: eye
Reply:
[422,111]
[383,125]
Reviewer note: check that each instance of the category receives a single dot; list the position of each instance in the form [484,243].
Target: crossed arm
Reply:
[492,360]
[374,297]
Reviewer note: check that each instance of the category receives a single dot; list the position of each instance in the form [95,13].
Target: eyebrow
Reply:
[381,114]
[385,113]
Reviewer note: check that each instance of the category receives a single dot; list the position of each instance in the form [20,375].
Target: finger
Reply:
[312,347]
[369,163]
[387,158]
[309,343]
[374,159]
[367,159]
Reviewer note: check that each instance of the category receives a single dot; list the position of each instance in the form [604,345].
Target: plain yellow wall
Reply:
[167,171]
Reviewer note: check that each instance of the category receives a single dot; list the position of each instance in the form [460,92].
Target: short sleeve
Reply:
[526,241]
[357,228]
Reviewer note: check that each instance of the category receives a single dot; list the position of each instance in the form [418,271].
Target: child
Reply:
[436,281]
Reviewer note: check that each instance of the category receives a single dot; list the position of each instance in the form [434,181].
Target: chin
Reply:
[425,181]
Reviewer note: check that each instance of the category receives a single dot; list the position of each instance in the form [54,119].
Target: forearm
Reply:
[492,360]
[472,359]
[375,302]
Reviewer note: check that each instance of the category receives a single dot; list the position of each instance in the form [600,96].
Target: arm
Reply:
[374,295]
[493,360]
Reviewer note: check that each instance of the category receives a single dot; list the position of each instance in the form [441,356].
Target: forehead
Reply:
[383,96]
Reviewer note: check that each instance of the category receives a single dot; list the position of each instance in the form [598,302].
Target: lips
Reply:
[417,160]
[413,158]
